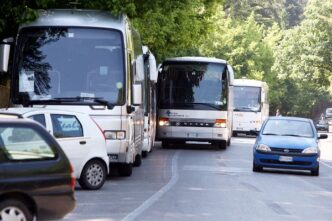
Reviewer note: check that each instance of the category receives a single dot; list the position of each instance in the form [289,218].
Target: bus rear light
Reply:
[164,122]
[221,123]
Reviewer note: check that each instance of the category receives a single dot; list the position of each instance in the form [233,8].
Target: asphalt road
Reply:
[198,182]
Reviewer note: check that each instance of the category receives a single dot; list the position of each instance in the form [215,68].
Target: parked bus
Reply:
[149,100]
[195,101]
[85,61]
[251,106]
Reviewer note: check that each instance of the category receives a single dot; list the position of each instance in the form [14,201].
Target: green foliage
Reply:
[303,60]
[242,44]
[281,42]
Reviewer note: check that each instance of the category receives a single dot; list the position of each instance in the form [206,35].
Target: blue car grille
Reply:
[286,150]
[302,163]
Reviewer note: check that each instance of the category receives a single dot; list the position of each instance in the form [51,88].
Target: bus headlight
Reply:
[220,123]
[115,135]
[164,122]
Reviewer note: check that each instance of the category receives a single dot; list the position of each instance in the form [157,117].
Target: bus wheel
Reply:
[229,142]
[222,144]
[125,169]
[138,160]
[165,144]
[234,134]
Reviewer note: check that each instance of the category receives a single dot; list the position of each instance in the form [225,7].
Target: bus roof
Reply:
[249,82]
[195,59]
[78,18]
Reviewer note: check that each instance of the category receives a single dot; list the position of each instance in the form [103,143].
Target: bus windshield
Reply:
[185,85]
[63,63]
[247,98]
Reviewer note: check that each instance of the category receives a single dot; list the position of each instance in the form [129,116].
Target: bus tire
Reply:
[229,142]
[165,144]
[234,134]
[144,153]
[125,169]
[138,160]
[223,144]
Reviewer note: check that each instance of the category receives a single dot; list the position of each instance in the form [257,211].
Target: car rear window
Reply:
[22,143]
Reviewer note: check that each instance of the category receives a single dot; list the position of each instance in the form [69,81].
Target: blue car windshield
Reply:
[286,127]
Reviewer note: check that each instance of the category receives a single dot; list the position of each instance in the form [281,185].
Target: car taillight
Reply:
[163,122]
[99,128]
[220,123]
[72,178]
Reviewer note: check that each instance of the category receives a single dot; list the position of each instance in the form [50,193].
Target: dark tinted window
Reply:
[40,118]
[21,143]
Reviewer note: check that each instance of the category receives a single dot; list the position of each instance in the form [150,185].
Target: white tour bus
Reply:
[150,102]
[86,61]
[195,101]
[251,106]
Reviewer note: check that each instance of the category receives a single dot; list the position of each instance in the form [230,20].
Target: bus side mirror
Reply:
[231,75]
[5,53]
[140,68]
[137,94]
[153,68]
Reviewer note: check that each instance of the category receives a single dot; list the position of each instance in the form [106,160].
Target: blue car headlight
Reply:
[310,150]
[263,147]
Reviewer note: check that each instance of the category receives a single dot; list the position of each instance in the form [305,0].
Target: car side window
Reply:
[22,143]
[40,118]
[66,126]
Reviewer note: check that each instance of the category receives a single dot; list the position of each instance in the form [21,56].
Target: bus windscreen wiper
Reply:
[244,109]
[61,100]
[214,106]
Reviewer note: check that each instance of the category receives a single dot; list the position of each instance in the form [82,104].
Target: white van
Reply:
[80,138]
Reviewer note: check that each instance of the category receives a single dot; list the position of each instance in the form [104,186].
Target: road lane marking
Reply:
[156,196]
[216,169]
[326,164]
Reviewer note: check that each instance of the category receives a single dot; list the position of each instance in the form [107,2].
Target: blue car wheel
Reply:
[256,168]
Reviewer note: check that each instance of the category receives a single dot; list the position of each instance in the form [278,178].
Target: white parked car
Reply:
[80,138]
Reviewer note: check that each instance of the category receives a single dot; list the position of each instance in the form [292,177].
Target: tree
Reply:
[303,59]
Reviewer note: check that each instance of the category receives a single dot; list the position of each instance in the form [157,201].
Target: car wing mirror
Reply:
[323,136]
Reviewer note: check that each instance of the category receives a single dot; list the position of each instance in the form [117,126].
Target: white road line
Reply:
[326,164]
[156,196]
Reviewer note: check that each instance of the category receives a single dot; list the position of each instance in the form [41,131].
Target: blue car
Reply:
[288,143]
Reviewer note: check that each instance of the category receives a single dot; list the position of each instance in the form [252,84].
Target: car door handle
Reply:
[83,142]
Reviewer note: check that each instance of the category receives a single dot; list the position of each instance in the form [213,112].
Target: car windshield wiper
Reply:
[291,135]
[271,134]
[60,100]
[244,109]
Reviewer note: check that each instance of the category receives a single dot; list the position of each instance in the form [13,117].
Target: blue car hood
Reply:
[287,141]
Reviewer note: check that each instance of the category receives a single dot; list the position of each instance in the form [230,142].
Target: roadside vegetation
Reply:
[287,43]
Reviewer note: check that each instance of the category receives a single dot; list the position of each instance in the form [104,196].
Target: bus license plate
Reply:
[192,135]
[285,159]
